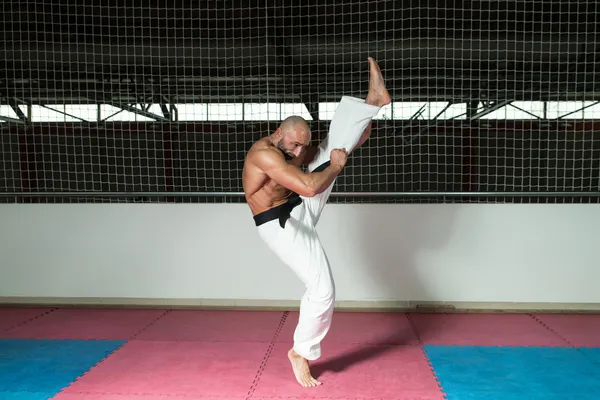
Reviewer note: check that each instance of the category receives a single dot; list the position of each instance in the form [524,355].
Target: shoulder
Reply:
[265,156]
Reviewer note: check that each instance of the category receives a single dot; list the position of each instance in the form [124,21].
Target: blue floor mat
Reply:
[43,367]
[25,396]
[592,353]
[515,373]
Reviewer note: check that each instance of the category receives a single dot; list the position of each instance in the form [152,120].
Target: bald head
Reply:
[293,135]
[294,122]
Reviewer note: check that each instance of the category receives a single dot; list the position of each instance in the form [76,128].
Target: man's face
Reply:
[294,142]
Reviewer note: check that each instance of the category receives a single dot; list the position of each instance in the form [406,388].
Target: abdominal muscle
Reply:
[266,195]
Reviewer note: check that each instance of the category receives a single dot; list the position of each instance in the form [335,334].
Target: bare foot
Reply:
[301,370]
[378,94]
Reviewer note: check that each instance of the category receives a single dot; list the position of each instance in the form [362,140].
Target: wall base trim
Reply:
[292,305]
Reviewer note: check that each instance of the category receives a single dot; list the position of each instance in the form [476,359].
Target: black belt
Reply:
[321,167]
[284,210]
[281,212]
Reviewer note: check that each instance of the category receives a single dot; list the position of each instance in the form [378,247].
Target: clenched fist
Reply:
[338,157]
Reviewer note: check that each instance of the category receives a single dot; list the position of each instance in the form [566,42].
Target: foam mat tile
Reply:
[99,324]
[580,330]
[46,366]
[592,354]
[214,326]
[139,396]
[176,368]
[483,330]
[354,371]
[25,395]
[313,394]
[511,373]
[13,316]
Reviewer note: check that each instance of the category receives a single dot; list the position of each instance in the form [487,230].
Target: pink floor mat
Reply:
[101,324]
[483,330]
[176,368]
[109,396]
[580,330]
[371,328]
[354,371]
[214,326]
[10,317]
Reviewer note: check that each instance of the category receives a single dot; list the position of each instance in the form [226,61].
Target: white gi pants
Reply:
[298,244]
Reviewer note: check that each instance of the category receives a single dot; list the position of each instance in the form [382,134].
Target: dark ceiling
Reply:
[125,52]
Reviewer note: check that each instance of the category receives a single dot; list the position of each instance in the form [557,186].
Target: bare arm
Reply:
[291,177]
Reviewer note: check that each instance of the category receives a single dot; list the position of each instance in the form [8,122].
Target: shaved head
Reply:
[294,122]
[292,136]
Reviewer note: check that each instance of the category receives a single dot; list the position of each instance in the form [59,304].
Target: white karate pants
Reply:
[298,244]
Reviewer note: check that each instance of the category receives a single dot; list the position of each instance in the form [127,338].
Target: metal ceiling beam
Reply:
[578,110]
[136,111]
[129,108]
[12,120]
[498,105]
[15,107]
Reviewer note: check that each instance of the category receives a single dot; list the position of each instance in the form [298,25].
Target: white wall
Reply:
[463,252]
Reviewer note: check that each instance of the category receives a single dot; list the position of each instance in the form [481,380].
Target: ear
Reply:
[278,134]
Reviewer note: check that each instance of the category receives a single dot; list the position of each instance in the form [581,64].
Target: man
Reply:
[287,203]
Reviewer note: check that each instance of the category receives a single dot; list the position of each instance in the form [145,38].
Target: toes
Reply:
[309,382]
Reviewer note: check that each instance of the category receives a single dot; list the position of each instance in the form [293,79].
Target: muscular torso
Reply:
[262,193]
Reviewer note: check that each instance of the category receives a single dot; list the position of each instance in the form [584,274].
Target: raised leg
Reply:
[352,118]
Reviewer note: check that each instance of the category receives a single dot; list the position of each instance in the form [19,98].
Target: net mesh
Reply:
[147,102]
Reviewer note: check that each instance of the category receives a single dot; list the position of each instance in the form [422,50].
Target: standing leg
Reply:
[316,305]
[298,245]
[352,117]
